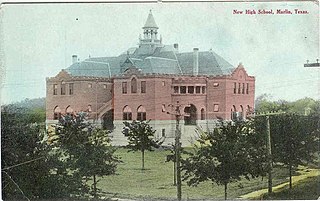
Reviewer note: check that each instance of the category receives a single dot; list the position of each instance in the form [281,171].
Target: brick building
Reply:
[140,84]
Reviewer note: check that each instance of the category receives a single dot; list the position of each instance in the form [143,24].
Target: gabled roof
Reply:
[150,23]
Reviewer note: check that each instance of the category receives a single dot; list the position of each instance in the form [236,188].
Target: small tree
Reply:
[87,150]
[141,137]
[223,156]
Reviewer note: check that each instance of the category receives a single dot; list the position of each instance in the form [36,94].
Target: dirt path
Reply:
[304,173]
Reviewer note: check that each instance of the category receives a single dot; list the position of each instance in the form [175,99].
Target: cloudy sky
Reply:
[37,40]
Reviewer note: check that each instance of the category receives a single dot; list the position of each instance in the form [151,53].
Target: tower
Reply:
[150,33]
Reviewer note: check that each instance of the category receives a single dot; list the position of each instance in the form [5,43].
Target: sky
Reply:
[38,40]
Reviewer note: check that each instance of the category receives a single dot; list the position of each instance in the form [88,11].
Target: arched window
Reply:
[203,114]
[248,110]
[134,85]
[233,113]
[56,113]
[142,114]
[191,119]
[241,113]
[127,113]
[69,111]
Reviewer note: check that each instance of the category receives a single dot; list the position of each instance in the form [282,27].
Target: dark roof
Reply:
[150,23]
[209,63]
[162,60]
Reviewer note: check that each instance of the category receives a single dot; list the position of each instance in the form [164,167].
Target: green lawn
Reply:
[308,189]
[157,180]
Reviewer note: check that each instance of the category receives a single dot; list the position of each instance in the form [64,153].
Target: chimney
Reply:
[74,59]
[195,61]
[176,47]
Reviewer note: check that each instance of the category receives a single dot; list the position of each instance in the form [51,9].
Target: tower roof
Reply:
[150,23]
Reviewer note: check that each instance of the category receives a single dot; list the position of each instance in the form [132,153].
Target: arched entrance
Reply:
[107,120]
[192,119]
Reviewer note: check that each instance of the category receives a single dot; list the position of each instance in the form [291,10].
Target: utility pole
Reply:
[178,115]
[269,154]
[269,151]
[312,64]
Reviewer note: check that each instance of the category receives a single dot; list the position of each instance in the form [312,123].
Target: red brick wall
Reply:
[100,92]
[159,91]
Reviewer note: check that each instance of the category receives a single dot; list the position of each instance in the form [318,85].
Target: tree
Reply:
[295,140]
[141,137]
[86,150]
[26,157]
[225,155]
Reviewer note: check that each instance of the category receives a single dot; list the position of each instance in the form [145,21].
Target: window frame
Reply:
[71,88]
[55,89]
[124,88]
[143,87]
[63,89]
[134,87]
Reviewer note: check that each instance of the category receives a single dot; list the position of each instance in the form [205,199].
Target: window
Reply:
[242,88]
[234,116]
[124,87]
[70,88]
[234,87]
[55,89]
[134,85]
[89,85]
[143,87]
[216,84]
[175,89]
[190,89]
[198,89]
[216,107]
[241,112]
[191,118]
[163,83]
[56,113]
[69,111]
[203,89]
[203,115]
[105,86]
[141,115]
[247,88]
[63,89]
[183,89]
[163,132]
[127,113]
[239,89]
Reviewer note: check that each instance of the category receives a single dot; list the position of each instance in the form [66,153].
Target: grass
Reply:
[307,189]
[301,175]
[156,182]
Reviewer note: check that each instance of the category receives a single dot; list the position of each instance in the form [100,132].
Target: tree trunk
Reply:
[94,186]
[225,190]
[290,176]
[142,158]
